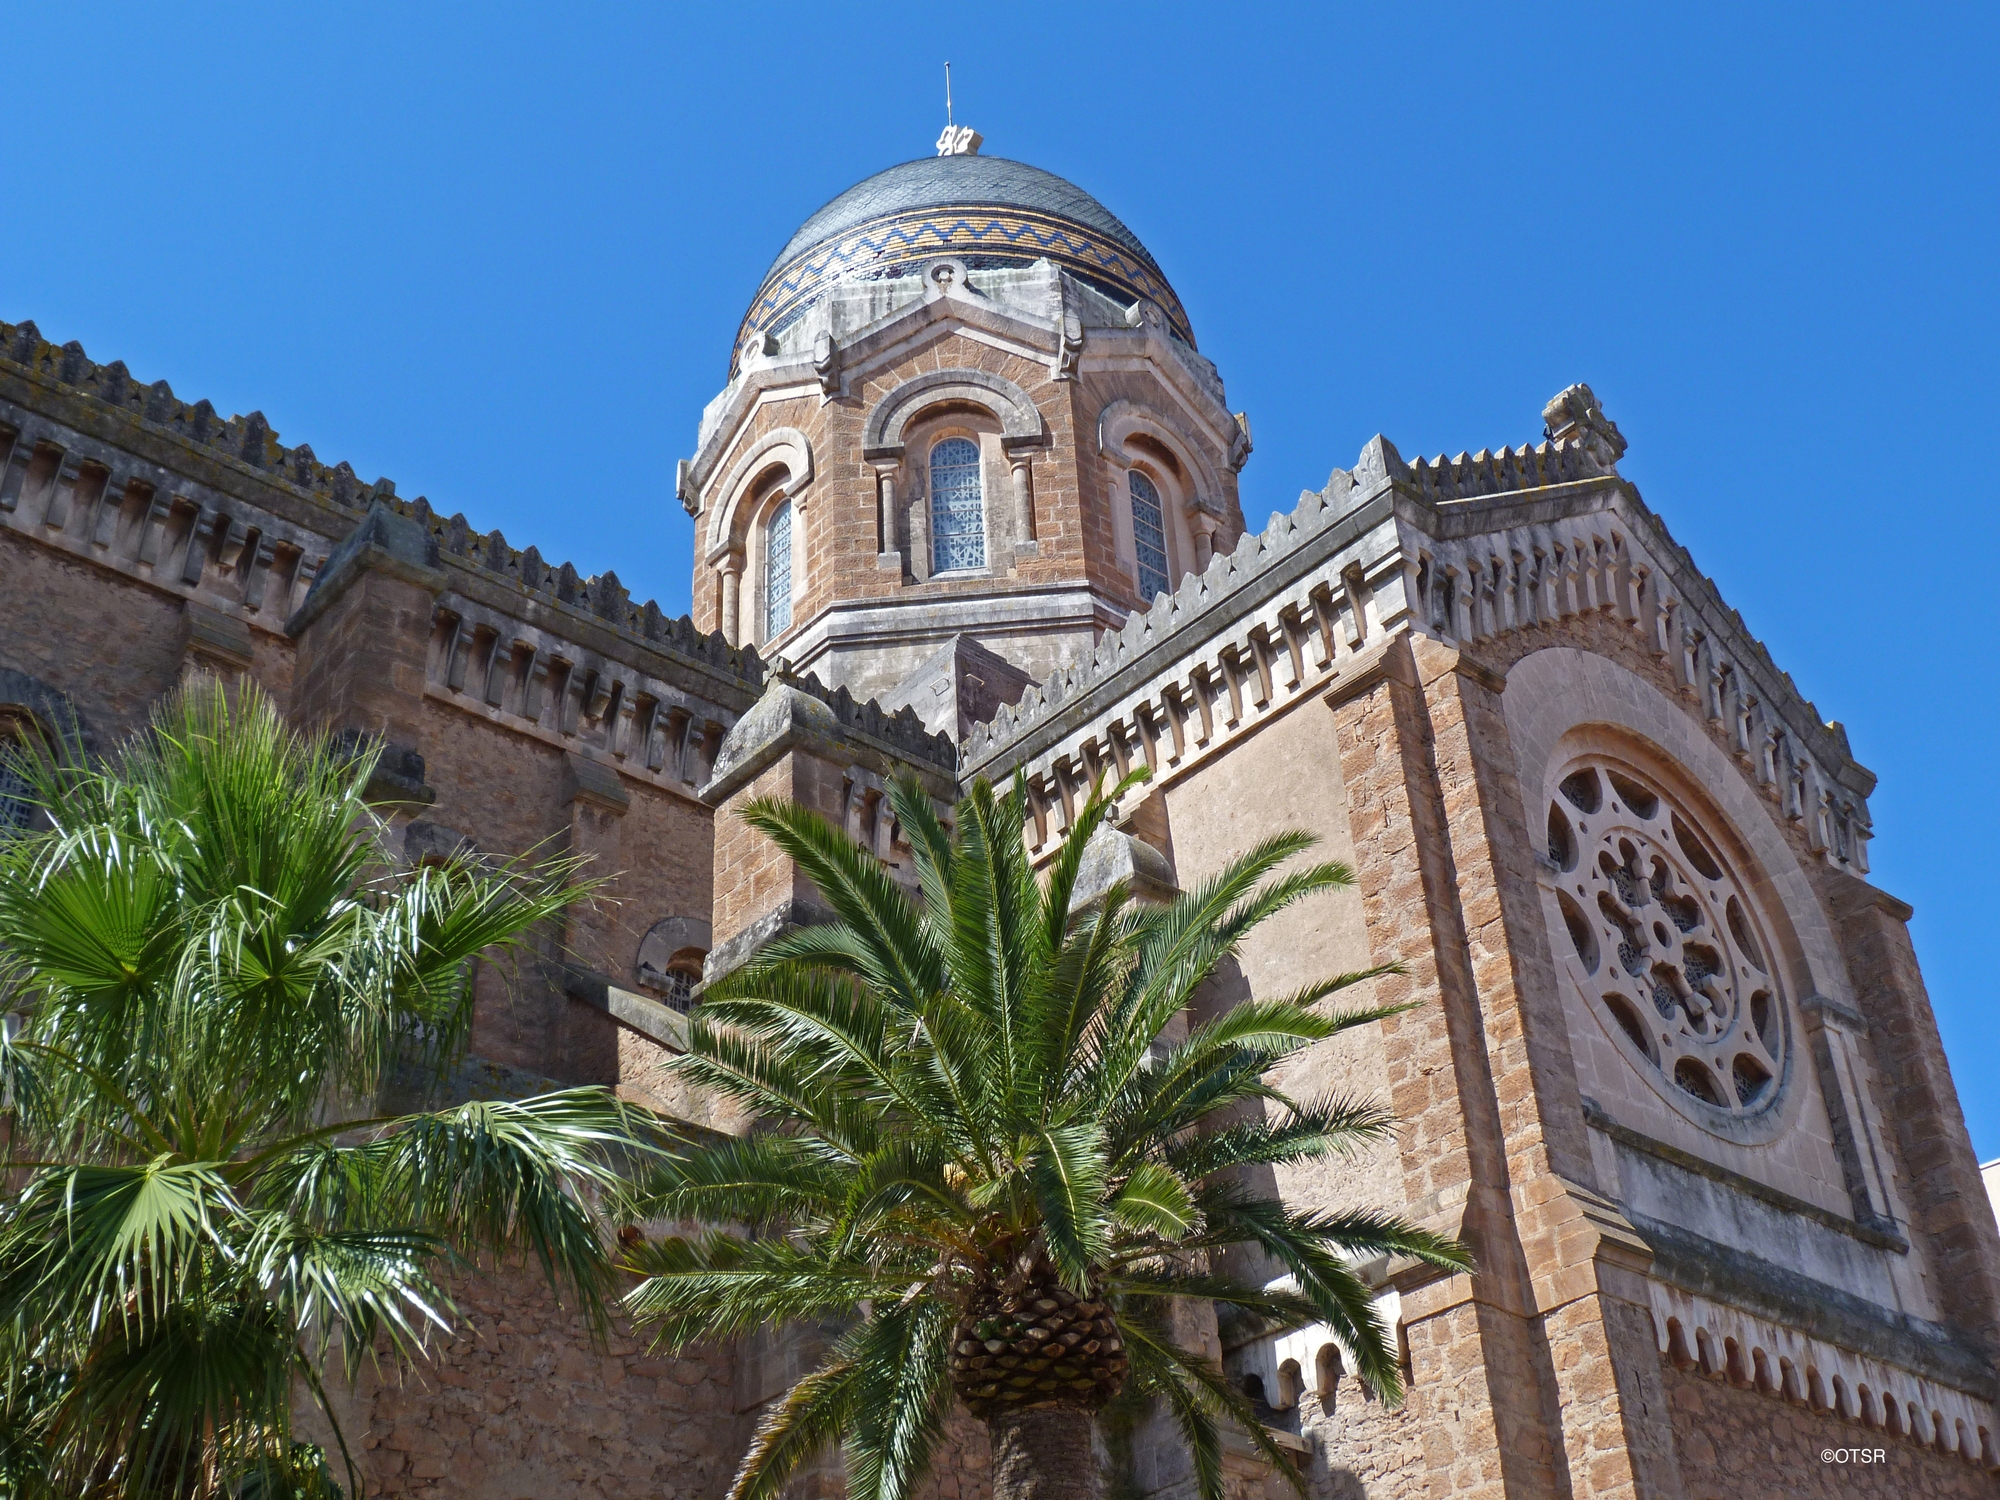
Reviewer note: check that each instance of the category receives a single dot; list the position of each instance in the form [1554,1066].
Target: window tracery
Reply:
[1149,537]
[778,571]
[958,509]
[1663,939]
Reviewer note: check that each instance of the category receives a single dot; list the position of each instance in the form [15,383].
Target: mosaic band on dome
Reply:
[985,236]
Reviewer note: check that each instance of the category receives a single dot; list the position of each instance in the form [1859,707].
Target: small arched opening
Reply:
[1327,1371]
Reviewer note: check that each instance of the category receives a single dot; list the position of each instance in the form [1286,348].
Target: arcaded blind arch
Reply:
[778,570]
[1149,537]
[958,510]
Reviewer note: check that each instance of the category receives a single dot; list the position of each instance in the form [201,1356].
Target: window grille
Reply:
[958,512]
[1149,537]
[679,987]
[17,806]
[778,571]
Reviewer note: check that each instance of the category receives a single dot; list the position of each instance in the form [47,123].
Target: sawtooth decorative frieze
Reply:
[1734,1347]
[130,477]
[1467,550]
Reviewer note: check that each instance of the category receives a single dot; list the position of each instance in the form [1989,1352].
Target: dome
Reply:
[985,210]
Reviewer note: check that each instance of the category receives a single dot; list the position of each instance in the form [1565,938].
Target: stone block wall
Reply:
[1361,1449]
[1732,1442]
[112,646]
[524,1403]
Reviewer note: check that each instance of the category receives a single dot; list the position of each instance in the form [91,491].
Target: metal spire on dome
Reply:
[957,140]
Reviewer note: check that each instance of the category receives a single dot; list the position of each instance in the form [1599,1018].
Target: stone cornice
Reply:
[1466,550]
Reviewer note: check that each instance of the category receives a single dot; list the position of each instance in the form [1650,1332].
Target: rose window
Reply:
[1664,939]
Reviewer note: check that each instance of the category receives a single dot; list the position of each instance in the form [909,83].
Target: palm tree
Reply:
[988,1145]
[215,970]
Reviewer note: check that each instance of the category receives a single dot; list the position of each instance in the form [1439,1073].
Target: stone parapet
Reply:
[1552,534]
[827,753]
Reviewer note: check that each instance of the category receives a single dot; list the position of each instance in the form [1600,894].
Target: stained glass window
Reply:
[958,514]
[1149,537]
[778,571]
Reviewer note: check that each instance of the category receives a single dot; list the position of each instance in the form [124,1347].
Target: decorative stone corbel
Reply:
[826,365]
[1239,444]
[1069,346]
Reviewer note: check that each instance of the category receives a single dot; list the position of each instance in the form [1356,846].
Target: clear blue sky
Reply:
[498,254]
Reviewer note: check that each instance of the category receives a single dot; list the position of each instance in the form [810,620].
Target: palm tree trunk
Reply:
[1043,1453]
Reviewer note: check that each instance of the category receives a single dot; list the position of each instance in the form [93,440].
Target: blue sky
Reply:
[498,254]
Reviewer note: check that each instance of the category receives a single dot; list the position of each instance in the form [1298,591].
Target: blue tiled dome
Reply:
[984,209]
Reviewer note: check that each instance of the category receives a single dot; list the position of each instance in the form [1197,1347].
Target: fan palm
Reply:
[213,967]
[991,1145]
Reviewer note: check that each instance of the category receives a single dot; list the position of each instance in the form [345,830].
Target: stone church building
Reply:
[966,505]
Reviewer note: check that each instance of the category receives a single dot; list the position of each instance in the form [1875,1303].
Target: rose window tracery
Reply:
[1663,939]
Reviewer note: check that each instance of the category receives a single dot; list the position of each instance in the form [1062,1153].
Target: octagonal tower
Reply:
[966,429]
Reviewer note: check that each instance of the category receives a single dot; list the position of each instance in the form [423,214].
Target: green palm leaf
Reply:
[214,950]
[985,1146]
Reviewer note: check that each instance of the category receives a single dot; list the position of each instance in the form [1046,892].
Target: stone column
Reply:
[1203,527]
[1024,504]
[732,615]
[886,554]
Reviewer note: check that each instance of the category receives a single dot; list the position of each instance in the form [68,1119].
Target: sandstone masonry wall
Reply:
[524,1404]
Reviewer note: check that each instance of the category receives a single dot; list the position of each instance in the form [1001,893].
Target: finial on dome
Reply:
[957,140]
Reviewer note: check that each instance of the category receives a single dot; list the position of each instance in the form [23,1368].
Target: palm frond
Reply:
[814,1415]
[979,1091]
[1207,1388]
[905,1393]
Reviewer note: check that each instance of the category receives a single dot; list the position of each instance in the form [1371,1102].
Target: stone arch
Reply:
[784,448]
[1124,418]
[1327,1370]
[40,720]
[1291,1385]
[670,936]
[670,958]
[1020,419]
[30,706]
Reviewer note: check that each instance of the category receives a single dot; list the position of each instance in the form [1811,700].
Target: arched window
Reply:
[958,510]
[16,795]
[683,974]
[18,739]
[778,570]
[1149,537]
